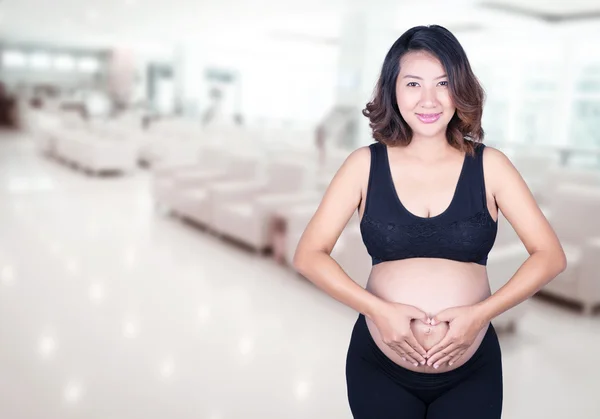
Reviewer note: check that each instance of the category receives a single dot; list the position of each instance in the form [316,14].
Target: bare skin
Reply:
[431,285]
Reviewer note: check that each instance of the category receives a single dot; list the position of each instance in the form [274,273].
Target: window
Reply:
[11,58]
[88,65]
[64,62]
[40,60]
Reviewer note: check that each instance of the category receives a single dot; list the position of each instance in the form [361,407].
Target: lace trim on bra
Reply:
[419,239]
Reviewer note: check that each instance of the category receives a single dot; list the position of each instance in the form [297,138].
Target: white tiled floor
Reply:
[110,310]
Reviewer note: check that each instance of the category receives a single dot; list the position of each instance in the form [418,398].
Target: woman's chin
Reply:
[428,336]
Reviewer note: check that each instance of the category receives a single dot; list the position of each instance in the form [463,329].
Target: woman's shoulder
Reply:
[488,153]
[497,167]
[357,162]
[492,155]
[361,155]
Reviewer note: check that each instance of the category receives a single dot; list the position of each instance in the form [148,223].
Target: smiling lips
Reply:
[428,118]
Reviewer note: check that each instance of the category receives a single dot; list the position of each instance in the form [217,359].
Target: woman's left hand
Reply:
[465,323]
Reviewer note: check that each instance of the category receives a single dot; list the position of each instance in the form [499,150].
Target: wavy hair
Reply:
[465,90]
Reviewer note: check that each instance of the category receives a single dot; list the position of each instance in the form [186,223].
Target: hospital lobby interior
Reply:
[159,162]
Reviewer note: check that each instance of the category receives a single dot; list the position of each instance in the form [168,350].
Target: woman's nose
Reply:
[428,97]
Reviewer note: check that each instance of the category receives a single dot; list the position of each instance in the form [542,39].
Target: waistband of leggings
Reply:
[429,379]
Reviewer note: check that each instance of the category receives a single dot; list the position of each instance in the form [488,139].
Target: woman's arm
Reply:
[547,258]
[312,257]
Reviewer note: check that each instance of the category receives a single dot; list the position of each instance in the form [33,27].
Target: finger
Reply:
[413,354]
[434,360]
[448,358]
[441,345]
[418,314]
[456,357]
[406,353]
[418,348]
[443,316]
[402,352]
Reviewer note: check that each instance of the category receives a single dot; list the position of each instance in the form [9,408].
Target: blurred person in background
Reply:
[8,108]
[428,193]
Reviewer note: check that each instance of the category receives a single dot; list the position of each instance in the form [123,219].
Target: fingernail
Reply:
[415,364]
[422,362]
[436,366]
[450,363]
[404,359]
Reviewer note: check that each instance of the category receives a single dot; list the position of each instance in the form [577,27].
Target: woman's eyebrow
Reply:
[409,76]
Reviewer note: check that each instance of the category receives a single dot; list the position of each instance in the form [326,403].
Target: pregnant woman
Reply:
[427,192]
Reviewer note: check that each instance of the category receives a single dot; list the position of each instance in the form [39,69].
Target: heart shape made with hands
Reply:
[428,335]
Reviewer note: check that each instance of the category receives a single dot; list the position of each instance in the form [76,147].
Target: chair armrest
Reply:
[270,202]
[593,243]
[166,169]
[200,177]
[587,282]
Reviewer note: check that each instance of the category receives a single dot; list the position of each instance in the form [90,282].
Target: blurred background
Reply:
[160,160]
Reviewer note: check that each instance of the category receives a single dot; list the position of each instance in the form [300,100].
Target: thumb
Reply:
[418,314]
[442,316]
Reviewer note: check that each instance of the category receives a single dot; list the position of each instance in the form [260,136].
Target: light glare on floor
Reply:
[167,368]
[130,257]
[47,346]
[203,314]
[130,329]
[302,389]
[72,266]
[97,292]
[55,248]
[8,275]
[246,346]
[73,392]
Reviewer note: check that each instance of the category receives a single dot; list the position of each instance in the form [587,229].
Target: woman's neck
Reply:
[429,148]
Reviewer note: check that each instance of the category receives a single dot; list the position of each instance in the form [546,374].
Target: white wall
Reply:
[279,79]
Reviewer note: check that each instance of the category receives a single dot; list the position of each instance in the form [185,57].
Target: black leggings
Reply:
[378,388]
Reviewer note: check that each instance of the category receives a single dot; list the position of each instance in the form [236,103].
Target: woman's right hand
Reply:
[393,322]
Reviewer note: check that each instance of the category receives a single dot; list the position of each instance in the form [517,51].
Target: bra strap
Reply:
[479,155]
[378,196]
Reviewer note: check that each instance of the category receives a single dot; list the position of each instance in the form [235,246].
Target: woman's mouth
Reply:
[428,118]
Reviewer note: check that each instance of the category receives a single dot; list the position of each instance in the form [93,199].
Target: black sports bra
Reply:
[464,232]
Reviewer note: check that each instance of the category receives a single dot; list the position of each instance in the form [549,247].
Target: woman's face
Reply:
[423,94]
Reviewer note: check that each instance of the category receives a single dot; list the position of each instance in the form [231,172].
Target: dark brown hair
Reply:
[465,90]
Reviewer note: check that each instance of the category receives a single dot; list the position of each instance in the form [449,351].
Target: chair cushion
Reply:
[195,194]
[573,254]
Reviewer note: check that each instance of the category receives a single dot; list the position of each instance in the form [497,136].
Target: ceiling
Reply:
[156,24]
[549,10]
[90,22]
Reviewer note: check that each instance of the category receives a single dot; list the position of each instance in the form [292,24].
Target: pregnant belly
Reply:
[431,285]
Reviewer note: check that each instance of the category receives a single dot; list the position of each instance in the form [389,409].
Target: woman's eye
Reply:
[445,83]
